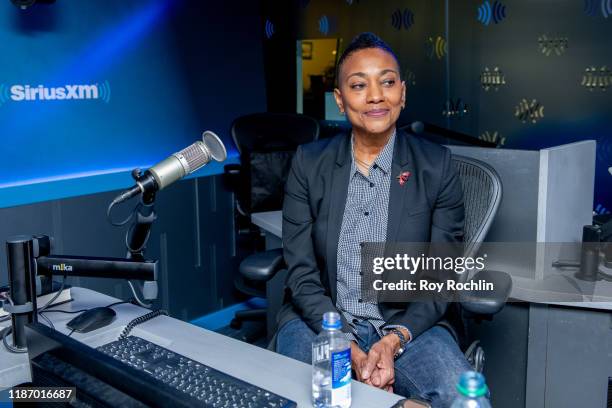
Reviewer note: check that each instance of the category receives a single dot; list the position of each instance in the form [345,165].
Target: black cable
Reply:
[4,333]
[122,223]
[140,320]
[50,323]
[82,310]
[62,311]
[136,298]
[59,292]
[120,302]
[605,276]
[144,243]
[48,304]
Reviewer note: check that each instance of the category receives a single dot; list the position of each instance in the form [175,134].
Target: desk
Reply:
[281,375]
[271,222]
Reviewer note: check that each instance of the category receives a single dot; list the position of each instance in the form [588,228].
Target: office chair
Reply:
[266,143]
[482,190]
[482,193]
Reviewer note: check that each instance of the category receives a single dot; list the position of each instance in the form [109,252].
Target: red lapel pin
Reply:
[403,177]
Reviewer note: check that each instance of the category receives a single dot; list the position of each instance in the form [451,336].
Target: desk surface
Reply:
[270,221]
[264,368]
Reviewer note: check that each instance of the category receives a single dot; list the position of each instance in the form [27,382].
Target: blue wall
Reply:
[158,73]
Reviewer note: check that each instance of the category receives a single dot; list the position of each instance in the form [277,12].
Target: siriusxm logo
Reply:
[24,93]
[62,267]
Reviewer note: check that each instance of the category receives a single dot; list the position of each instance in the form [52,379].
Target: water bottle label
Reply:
[320,353]
[341,376]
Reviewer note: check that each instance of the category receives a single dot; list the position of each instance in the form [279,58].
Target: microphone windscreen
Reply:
[215,146]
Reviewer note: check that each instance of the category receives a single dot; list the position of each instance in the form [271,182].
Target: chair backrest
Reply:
[482,194]
[266,143]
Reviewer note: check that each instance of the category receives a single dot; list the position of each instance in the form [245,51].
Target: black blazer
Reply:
[428,207]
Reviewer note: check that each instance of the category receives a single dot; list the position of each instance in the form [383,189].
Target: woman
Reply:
[373,185]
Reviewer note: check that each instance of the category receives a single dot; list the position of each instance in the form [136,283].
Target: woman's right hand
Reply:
[358,361]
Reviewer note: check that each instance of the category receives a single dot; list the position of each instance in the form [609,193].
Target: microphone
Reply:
[417,127]
[177,166]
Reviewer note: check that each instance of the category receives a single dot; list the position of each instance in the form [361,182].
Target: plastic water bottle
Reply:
[331,365]
[472,391]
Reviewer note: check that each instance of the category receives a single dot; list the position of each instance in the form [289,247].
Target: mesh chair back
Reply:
[266,143]
[482,193]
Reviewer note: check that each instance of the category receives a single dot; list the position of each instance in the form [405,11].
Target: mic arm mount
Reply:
[93,267]
[97,267]
[142,219]
[29,258]
[590,255]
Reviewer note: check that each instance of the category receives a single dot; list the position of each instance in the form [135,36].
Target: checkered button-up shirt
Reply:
[364,220]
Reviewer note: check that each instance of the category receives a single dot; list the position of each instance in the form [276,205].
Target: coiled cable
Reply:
[140,320]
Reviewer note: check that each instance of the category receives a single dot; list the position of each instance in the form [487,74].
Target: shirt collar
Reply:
[384,159]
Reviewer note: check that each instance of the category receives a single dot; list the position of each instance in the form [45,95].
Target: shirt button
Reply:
[371,184]
[360,300]
[361,244]
[366,213]
[355,321]
[375,166]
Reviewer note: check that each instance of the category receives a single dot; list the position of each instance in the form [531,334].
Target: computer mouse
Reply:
[92,319]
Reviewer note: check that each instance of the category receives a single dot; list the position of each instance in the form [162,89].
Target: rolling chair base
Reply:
[475,355]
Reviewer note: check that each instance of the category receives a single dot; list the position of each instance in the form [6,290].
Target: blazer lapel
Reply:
[339,191]
[399,194]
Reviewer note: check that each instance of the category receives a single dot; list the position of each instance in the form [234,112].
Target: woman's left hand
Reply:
[379,368]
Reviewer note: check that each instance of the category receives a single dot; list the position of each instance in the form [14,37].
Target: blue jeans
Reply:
[428,369]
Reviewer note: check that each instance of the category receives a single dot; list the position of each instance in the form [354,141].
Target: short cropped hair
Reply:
[361,42]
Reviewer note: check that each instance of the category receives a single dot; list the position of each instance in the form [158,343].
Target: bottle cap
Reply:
[331,320]
[472,384]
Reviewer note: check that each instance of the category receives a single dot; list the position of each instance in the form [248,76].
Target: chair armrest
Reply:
[487,302]
[262,266]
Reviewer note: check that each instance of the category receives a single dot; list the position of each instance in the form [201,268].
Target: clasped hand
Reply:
[377,366]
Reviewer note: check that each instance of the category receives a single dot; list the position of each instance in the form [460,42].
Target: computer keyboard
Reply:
[210,387]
